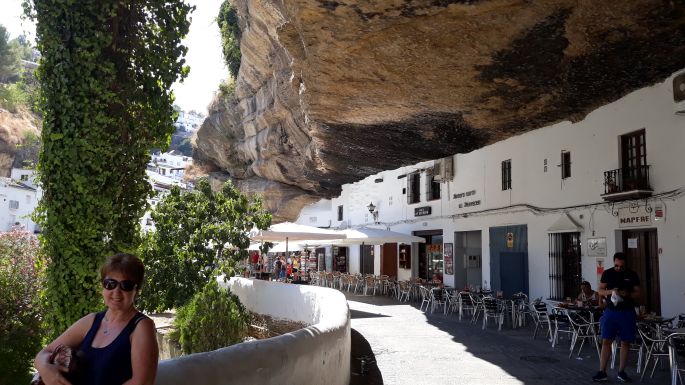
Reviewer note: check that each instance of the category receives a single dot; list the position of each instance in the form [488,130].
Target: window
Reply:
[14,205]
[565,164]
[506,175]
[340,213]
[634,161]
[432,188]
[564,265]
[28,199]
[24,177]
[414,188]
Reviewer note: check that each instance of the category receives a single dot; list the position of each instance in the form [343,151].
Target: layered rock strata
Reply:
[330,92]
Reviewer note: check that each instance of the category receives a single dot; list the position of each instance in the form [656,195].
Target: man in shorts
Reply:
[620,288]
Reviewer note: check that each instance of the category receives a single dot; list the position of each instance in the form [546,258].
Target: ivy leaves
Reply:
[106,72]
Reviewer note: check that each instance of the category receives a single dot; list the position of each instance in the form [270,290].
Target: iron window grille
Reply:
[506,175]
[565,274]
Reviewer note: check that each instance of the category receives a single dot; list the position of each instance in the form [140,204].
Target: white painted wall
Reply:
[594,146]
[318,354]
[16,205]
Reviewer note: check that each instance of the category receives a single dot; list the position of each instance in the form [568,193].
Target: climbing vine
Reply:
[106,71]
[230,36]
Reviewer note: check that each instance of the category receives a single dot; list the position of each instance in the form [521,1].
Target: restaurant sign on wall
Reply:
[421,211]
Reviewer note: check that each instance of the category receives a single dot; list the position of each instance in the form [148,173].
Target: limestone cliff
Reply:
[332,91]
[19,133]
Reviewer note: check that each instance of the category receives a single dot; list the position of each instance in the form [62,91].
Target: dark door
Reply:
[366,252]
[389,259]
[641,249]
[634,159]
[513,268]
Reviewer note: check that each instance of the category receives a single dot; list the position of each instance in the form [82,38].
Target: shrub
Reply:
[12,96]
[214,318]
[21,280]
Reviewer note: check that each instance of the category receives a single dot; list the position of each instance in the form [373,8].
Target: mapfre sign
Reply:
[634,217]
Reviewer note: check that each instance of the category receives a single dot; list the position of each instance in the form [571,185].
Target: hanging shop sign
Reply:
[422,211]
[597,247]
[449,258]
[634,217]
[659,212]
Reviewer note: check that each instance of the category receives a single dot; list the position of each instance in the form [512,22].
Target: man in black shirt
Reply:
[620,288]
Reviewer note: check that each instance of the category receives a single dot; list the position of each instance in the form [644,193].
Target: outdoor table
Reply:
[658,323]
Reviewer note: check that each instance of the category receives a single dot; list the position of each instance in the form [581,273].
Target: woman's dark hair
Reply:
[127,264]
[621,256]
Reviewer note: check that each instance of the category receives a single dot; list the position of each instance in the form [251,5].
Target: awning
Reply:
[279,247]
[565,224]
[370,236]
[295,232]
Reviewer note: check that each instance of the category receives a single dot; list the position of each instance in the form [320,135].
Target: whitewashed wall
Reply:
[594,146]
[27,199]
[318,354]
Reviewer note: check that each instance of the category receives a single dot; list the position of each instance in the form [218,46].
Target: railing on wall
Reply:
[627,179]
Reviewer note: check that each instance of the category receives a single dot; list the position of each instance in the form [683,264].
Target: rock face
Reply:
[330,92]
[14,129]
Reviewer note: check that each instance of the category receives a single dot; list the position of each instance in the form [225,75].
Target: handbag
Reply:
[63,356]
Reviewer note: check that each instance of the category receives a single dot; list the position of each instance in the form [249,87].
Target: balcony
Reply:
[627,183]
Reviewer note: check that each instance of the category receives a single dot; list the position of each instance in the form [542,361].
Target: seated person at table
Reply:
[587,295]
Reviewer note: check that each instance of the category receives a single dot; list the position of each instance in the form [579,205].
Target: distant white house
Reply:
[189,121]
[19,197]
[169,164]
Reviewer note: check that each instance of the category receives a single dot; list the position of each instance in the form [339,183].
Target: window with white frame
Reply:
[14,205]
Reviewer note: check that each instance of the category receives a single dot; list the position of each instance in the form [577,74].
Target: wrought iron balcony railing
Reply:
[627,179]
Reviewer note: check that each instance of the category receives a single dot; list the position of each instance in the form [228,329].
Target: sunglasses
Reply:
[125,285]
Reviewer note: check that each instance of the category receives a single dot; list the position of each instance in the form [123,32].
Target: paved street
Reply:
[413,348]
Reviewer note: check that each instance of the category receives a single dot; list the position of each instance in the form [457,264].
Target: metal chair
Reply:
[465,304]
[676,349]
[656,348]
[437,298]
[493,308]
[583,329]
[403,291]
[425,298]
[477,307]
[539,311]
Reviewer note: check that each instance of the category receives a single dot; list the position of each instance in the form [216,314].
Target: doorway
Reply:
[509,259]
[642,256]
[389,259]
[430,259]
[366,263]
[467,259]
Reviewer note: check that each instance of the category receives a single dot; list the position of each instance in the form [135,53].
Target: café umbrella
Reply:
[288,231]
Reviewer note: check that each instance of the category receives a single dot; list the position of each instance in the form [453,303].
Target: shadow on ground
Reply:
[530,361]
[364,370]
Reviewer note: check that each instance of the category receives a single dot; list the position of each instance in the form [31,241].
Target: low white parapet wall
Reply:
[317,354]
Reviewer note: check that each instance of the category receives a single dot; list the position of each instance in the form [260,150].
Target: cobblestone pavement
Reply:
[414,348]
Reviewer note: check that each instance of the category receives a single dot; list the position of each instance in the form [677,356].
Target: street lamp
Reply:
[374,211]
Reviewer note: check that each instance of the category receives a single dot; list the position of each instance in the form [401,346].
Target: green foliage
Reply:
[106,72]
[227,90]
[13,96]
[186,147]
[230,36]
[197,235]
[214,318]
[9,60]
[21,280]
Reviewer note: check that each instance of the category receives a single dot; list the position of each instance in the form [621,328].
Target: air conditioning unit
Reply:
[443,169]
[679,93]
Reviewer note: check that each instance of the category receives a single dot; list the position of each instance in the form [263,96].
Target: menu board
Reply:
[449,259]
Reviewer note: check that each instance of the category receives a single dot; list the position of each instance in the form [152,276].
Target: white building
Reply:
[169,164]
[18,199]
[538,212]
[189,121]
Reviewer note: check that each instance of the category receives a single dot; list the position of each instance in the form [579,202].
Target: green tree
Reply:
[9,60]
[197,235]
[106,72]
[230,36]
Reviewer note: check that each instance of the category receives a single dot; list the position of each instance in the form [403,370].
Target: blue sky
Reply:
[207,68]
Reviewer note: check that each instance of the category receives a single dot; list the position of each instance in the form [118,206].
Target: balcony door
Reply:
[633,159]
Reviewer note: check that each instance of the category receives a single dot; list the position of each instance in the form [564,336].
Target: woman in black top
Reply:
[118,345]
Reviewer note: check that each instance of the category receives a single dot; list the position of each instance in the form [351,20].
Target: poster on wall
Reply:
[596,247]
[449,261]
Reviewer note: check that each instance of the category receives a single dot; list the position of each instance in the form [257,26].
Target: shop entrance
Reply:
[389,259]
[509,259]
[340,259]
[642,252]
[366,255]
[467,259]
[430,263]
